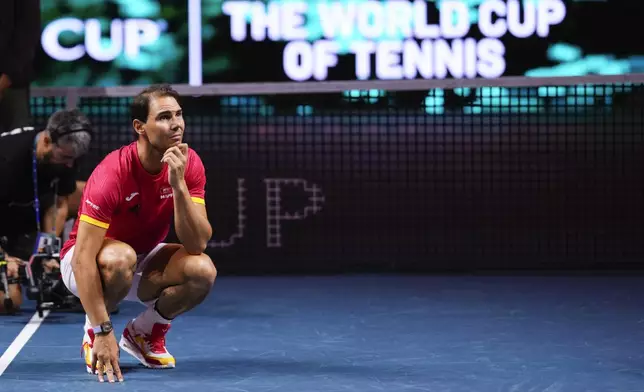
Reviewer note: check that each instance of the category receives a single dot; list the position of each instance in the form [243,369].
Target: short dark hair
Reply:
[70,127]
[140,107]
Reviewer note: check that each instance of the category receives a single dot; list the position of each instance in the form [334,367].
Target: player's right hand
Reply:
[176,157]
[105,359]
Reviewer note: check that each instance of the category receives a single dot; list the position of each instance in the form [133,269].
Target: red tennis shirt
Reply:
[135,207]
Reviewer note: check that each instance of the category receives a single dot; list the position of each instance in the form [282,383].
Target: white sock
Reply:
[146,320]
[88,325]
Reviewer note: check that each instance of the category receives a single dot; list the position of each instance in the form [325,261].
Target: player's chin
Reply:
[169,144]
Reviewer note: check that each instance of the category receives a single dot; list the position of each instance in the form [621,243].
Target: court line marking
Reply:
[21,340]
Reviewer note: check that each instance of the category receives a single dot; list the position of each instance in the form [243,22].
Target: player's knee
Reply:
[201,270]
[117,259]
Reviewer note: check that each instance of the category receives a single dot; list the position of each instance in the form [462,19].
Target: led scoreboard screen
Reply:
[103,43]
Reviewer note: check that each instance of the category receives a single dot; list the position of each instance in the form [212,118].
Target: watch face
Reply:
[106,327]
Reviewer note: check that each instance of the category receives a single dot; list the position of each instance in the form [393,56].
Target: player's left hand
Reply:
[176,157]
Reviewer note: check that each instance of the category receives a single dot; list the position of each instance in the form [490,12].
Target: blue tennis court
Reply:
[371,333]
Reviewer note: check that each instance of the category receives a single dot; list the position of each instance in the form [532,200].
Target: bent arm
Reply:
[191,221]
[85,267]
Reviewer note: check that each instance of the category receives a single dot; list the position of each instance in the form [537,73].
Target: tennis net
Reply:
[508,173]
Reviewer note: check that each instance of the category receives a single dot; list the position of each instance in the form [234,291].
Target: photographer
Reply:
[37,175]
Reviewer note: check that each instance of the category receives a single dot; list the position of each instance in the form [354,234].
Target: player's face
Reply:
[165,124]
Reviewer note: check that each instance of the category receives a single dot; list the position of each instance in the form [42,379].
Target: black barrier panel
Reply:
[355,187]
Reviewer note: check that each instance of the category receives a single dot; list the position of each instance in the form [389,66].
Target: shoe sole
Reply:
[129,348]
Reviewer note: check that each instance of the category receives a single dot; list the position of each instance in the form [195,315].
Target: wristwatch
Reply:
[103,328]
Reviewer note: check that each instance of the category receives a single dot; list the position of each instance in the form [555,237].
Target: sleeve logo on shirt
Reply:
[129,198]
[94,206]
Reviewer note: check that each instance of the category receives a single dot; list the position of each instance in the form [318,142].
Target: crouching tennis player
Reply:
[115,250]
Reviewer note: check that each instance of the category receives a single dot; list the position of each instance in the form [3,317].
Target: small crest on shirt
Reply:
[166,193]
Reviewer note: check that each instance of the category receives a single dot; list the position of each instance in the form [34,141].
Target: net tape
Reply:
[72,93]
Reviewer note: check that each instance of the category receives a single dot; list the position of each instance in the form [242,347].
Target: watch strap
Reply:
[102,328]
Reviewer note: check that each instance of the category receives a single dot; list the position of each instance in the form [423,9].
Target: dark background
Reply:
[406,191]
[415,181]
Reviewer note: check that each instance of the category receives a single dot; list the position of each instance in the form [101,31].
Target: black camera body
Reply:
[44,287]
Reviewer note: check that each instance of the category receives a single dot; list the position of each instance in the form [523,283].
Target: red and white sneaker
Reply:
[149,349]
[86,350]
